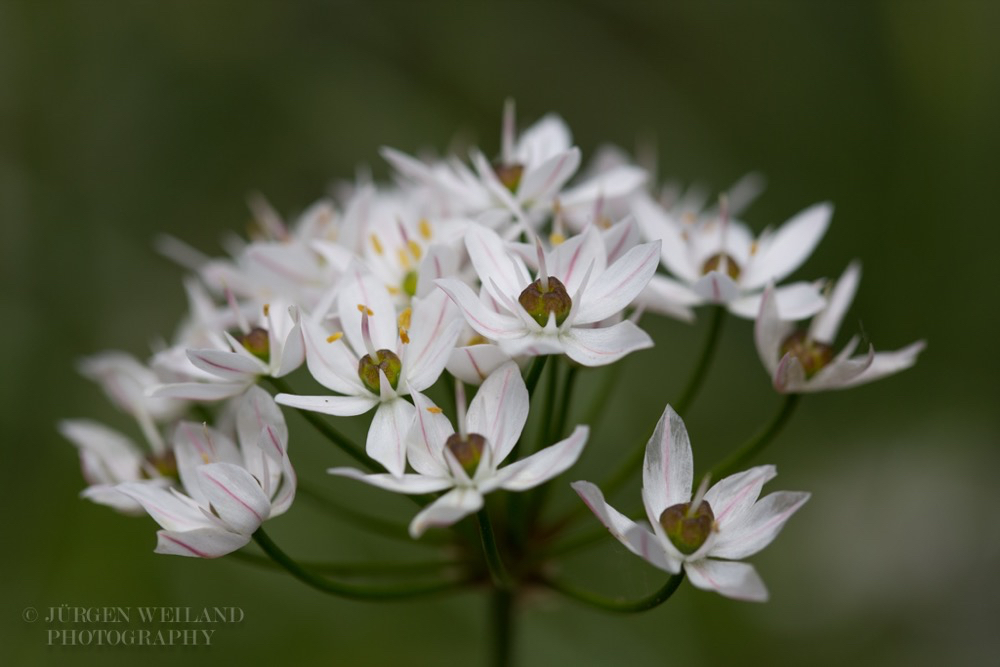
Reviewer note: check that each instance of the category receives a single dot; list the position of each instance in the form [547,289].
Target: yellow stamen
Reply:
[404,318]
[424,228]
[753,248]
[404,336]
[404,259]
[267,309]
[415,249]
[434,410]
[555,238]
[365,310]
[477,340]
[392,290]
[376,244]
[333,338]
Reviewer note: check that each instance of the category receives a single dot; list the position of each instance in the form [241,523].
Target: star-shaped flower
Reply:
[705,535]
[467,462]
[560,312]
[802,361]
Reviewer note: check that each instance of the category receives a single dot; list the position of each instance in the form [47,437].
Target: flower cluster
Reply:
[468,275]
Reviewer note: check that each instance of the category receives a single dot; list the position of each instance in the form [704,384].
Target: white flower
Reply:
[230,490]
[468,462]
[720,261]
[803,361]
[274,349]
[109,458]
[575,292]
[397,355]
[727,522]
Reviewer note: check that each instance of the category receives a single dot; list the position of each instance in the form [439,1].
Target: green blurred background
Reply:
[120,120]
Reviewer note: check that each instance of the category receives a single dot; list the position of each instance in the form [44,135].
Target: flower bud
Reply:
[468,450]
[688,530]
[812,354]
[714,263]
[509,174]
[257,343]
[539,302]
[387,362]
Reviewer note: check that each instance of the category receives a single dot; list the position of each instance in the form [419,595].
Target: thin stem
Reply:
[353,569]
[697,377]
[331,434]
[372,524]
[598,405]
[502,604]
[547,416]
[352,591]
[758,442]
[534,373]
[622,606]
[557,424]
[498,573]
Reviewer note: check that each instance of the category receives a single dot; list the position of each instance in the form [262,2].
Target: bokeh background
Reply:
[121,120]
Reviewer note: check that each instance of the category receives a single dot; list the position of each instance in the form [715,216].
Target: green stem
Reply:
[354,569]
[534,373]
[758,442]
[503,627]
[557,424]
[622,606]
[697,377]
[598,405]
[331,434]
[352,591]
[498,573]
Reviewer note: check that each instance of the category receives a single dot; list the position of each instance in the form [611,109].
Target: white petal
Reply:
[656,223]
[227,365]
[546,137]
[571,260]
[841,372]
[789,247]
[494,263]
[668,468]
[543,465]
[427,437]
[542,182]
[717,287]
[618,181]
[292,348]
[666,296]
[446,510]
[597,347]
[770,331]
[888,363]
[648,546]
[620,238]
[760,526]
[235,496]
[825,325]
[200,543]
[795,301]
[407,483]
[331,362]
[789,377]
[485,321]
[107,456]
[434,328]
[387,434]
[362,289]
[733,580]
[732,497]
[339,406]
[168,508]
[475,363]
[619,285]
[440,261]
[499,410]
[200,391]
[257,410]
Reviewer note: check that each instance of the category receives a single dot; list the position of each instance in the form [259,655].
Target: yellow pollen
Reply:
[365,310]
[267,309]
[477,340]
[414,248]
[392,290]
[204,457]
[332,338]
[434,410]
[404,336]
[404,318]
[604,222]
[404,259]
[376,244]
[555,238]
[753,248]
[688,218]
[424,228]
